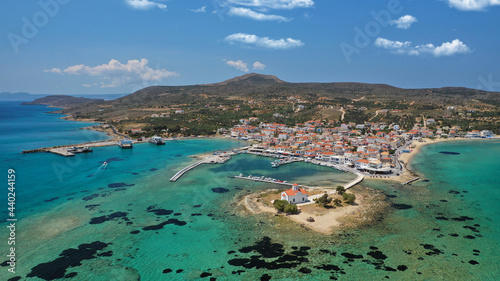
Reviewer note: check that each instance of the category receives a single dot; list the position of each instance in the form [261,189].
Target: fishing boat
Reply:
[156,140]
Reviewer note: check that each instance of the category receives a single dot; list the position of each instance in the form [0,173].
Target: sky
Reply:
[120,46]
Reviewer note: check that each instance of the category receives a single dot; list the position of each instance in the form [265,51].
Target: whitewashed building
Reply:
[294,195]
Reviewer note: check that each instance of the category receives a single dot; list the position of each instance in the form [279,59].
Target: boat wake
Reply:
[101,169]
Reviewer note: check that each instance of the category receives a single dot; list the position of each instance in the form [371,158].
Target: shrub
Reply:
[284,206]
[291,209]
[323,200]
[280,205]
[336,202]
[349,198]
[340,190]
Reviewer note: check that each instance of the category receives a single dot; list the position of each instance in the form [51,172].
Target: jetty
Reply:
[357,180]
[213,159]
[268,180]
[410,181]
[62,151]
[276,181]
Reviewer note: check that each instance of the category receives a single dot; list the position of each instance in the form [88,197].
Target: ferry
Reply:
[156,140]
[125,143]
[79,149]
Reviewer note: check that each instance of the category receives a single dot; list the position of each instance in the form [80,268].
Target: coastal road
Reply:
[116,131]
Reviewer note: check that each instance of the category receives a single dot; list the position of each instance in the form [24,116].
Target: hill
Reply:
[223,104]
[8,96]
[63,101]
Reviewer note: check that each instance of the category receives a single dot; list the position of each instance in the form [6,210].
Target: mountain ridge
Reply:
[270,90]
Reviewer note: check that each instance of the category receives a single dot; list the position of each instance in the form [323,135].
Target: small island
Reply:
[325,211]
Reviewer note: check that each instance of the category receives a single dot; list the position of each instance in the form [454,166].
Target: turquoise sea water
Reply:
[129,221]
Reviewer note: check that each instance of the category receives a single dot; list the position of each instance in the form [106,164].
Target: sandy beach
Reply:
[406,159]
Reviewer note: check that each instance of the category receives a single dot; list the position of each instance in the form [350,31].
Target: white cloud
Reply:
[446,49]
[145,4]
[388,44]
[450,48]
[53,70]
[265,42]
[200,10]
[240,65]
[258,66]
[116,74]
[472,5]
[248,13]
[274,4]
[404,22]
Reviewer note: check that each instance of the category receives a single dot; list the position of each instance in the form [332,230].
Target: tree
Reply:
[291,208]
[349,198]
[340,190]
[336,202]
[280,205]
[323,200]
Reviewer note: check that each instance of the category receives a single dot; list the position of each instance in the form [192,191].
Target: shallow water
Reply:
[130,220]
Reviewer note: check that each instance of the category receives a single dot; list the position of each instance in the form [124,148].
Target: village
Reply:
[370,148]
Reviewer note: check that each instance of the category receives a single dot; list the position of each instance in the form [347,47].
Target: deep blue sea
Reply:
[129,222]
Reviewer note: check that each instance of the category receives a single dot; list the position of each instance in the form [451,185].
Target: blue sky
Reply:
[119,46]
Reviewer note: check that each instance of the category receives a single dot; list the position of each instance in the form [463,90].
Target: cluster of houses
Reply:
[369,147]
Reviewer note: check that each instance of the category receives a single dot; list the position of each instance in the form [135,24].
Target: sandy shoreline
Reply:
[407,158]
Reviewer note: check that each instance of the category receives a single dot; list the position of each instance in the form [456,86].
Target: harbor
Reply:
[281,159]
[225,156]
[124,143]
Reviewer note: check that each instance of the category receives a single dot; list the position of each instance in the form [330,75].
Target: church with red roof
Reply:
[295,195]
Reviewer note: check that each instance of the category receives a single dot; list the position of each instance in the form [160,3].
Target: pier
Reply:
[359,179]
[268,180]
[213,159]
[62,149]
[56,149]
[275,181]
[410,181]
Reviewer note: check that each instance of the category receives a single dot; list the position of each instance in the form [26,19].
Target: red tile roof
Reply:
[291,192]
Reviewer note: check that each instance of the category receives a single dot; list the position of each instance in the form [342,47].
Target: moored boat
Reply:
[125,143]
[79,149]
[156,140]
